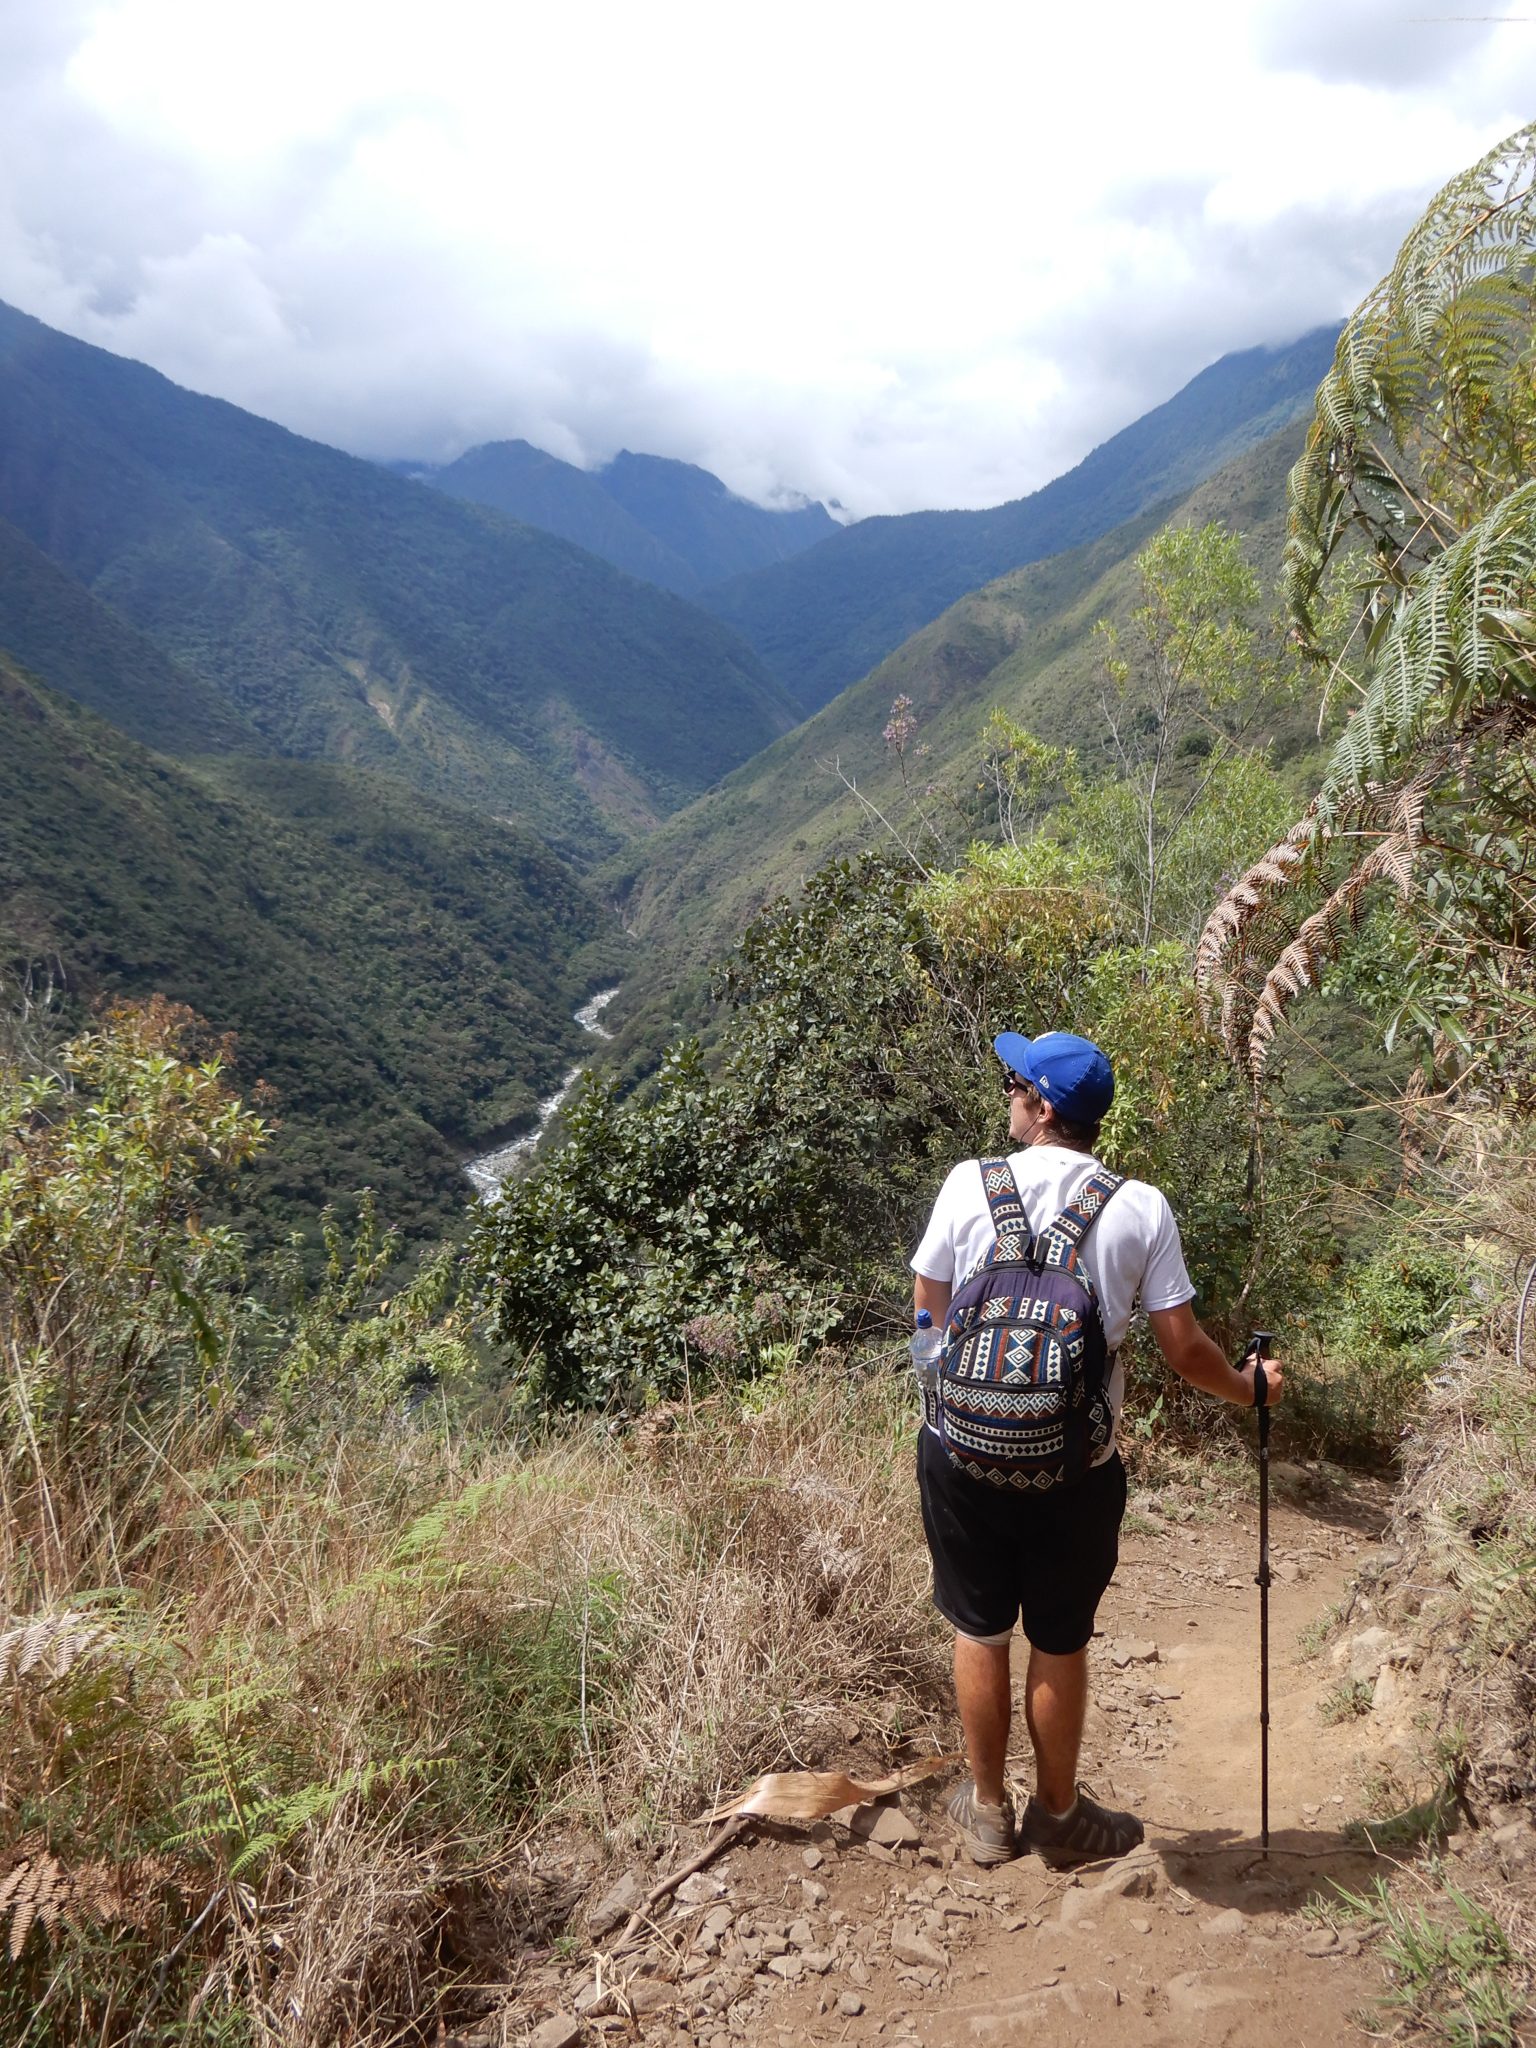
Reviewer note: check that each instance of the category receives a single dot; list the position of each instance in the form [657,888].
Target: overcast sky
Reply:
[889,254]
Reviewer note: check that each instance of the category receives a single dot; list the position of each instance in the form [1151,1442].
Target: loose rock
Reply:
[1132,1650]
[908,1946]
[849,2004]
[649,1994]
[618,1903]
[886,1825]
[560,2032]
[1230,1922]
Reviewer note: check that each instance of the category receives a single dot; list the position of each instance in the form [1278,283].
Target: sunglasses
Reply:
[1015,1084]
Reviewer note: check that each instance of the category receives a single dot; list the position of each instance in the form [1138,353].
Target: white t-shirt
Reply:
[1132,1252]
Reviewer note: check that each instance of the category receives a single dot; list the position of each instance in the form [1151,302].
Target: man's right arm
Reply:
[1198,1358]
[932,1295]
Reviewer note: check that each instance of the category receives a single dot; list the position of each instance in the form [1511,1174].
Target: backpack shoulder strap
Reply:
[1060,1242]
[1003,1197]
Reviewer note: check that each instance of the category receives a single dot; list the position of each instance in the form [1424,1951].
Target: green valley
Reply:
[399,973]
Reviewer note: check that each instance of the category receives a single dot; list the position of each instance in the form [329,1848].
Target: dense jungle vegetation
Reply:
[324,1596]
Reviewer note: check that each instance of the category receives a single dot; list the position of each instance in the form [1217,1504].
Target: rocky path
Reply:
[814,1935]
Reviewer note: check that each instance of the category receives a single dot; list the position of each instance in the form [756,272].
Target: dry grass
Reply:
[333,1703]
[1466,1514]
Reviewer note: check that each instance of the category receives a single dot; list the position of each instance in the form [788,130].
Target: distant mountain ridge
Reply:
[825,618]
[343,613]
[669,523]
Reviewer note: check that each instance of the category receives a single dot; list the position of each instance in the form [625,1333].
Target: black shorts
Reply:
[997,1555]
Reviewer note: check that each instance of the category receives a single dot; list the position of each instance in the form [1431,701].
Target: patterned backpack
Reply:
[1021,1398]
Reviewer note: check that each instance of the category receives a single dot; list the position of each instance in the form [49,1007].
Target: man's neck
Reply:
[1062,1144]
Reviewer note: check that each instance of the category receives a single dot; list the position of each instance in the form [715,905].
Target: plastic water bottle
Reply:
[927,1348]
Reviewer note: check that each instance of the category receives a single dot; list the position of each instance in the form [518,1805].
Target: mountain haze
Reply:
[823,619]
[669,522]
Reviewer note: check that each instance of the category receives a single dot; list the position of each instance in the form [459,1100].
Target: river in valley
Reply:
[492,1168]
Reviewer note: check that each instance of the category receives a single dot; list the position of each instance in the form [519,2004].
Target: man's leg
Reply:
[1055,1703]
[986,1702]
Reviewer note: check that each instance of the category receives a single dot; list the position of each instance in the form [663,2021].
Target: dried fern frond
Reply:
[1276,870]
[1319,941]
[34,1889]
[38,1890]
[49,1643]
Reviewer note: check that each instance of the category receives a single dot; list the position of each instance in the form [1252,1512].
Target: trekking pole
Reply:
[1258,1347]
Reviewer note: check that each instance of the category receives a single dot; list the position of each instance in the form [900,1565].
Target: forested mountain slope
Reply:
[53,625]
[1024,643]
[669,522]
[400,972]
[825,618]
[348,614]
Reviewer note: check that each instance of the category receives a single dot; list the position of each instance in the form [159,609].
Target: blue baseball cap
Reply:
[1071,1073]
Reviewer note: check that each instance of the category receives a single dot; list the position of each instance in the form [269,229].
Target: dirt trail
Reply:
[803,1935]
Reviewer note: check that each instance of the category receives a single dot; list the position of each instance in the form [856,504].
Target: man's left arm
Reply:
[1198,1358]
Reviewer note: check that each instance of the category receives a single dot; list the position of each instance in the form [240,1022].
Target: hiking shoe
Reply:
[1088,1832]
[987,1831]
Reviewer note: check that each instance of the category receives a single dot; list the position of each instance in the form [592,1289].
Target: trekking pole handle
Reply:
[1257,1350]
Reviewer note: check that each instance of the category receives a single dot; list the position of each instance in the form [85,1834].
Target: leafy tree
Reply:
[1181,686]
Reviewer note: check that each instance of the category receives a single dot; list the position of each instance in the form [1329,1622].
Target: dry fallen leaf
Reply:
[812,1795]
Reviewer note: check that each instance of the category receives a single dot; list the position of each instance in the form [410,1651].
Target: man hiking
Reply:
[1022,1487]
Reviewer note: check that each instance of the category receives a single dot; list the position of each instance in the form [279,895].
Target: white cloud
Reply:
[867,251]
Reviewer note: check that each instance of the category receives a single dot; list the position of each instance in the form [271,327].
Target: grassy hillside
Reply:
[826,618]
[399,972]
[1024,643]
[350,615]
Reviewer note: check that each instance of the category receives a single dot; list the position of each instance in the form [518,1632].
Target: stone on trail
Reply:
[1140,1924]
[1230,1922]
[812,1857]
[618,1903]
[700,1889]
[908,1946]
[887,1826]
[559,2032]
[1137,1876]
[1362,1655]
[849,2004]
[650,1994]
[1132,1650]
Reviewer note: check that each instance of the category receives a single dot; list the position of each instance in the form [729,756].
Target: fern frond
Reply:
[1434,362]
[1454,650]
